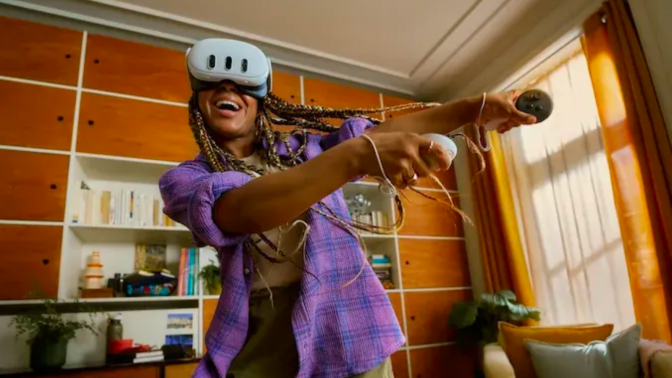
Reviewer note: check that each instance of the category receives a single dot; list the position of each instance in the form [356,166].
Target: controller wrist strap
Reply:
[478,126]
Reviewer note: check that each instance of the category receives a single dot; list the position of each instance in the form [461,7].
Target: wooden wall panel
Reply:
[137,69]
[33,185]
[395,299]
[427,263]
[122,372]
[429,218]
[287,87]
[323,93]
[446,361]
[209,307]
[180,370]
[427,315]
[29,260]
[36,116]
[447,179]
[400,364]
[138,129]
[39,52]
[394,101]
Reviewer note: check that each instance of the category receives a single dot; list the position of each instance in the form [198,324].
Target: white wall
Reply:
[653,19]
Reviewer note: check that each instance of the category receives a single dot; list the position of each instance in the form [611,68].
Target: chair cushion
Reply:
[514,338]
[618,357]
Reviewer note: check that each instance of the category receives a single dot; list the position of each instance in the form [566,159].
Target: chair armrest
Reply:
[661,365]
[495,362]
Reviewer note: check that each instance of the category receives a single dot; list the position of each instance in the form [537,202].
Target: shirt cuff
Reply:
[200,216]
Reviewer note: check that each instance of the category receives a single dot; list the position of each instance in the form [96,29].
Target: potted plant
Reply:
[477,321]
[48,332]
[210,276]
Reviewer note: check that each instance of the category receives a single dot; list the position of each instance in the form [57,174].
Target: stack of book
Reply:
[187,278]
[148,356]
[383,268]
[118,207]
[374,218]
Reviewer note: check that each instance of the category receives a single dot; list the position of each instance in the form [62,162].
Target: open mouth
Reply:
[227,105]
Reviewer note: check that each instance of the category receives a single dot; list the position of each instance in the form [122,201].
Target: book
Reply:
[180,269]
[197,267]
[139,360]
[124,207]
[149,353]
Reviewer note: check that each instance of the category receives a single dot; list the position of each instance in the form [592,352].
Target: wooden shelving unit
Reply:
[78,110]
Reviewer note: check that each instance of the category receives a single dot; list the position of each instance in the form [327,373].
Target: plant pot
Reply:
[46,355]
[215,289]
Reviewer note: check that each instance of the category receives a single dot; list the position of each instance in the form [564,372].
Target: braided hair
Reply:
[273,110]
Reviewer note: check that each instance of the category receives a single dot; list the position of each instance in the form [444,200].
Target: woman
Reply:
[298,299]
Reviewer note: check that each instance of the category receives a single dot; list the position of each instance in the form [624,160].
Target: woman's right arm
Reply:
[222,207]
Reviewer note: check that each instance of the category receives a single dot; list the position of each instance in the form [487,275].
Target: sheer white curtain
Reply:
[567,215]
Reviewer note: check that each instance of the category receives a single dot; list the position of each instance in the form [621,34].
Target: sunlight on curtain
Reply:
[563,191]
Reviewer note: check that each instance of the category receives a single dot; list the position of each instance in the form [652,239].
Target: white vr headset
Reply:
[214,60]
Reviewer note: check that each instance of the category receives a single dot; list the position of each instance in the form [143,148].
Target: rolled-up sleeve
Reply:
[189,192]
[351,128]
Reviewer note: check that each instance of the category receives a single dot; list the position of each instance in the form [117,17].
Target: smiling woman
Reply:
[299,298]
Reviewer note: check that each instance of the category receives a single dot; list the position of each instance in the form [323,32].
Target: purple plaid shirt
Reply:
[339,332]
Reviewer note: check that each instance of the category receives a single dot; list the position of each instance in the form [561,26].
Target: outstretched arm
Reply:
[222,207]
[450,116]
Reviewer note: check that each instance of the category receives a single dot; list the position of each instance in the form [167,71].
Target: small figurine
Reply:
[93,274]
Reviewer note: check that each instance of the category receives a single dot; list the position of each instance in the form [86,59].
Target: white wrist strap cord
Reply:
[385,185]
[478,126]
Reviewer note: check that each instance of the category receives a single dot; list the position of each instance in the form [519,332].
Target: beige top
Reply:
[288,238]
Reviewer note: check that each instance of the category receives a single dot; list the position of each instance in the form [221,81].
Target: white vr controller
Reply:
[446,143]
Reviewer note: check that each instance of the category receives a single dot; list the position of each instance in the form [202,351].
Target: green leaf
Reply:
[463,314]
[534,313]
[509,295]
[517,312]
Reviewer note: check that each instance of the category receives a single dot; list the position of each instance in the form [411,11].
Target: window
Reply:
[568,221]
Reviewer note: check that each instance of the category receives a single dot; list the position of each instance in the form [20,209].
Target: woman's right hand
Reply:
[404,156]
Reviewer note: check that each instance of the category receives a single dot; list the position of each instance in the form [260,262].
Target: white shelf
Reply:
[122,169]
[140,299]
[377,236]
[106,233]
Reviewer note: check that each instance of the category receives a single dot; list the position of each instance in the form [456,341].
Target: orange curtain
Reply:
[640,160]
[504,264]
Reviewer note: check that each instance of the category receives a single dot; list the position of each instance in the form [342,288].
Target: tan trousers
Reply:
[270,350]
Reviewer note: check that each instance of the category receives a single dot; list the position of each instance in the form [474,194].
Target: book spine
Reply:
[77,207]
[180,277]
[89,206]
[186,272]
[122,209]
[105,200]
[113,205]
[155,212]
[190,282]
[197,268]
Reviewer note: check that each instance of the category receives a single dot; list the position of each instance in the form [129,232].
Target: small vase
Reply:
[215,289]
[46,355]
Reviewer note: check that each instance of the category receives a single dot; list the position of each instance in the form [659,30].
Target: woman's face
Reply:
[228,112]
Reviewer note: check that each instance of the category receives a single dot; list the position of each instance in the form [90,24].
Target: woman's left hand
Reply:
[502,106]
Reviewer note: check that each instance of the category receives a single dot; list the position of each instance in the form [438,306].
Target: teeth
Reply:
[221,104]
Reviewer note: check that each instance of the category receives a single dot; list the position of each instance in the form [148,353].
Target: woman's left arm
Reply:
[450,116]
